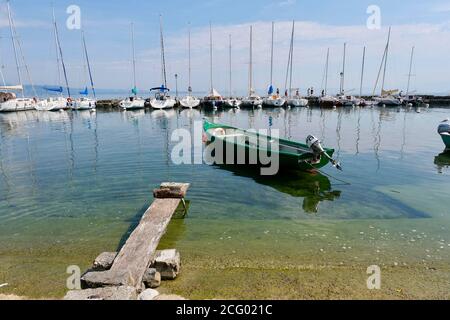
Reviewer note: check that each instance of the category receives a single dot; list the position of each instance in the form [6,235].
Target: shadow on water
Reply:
[442,161]
[314,188]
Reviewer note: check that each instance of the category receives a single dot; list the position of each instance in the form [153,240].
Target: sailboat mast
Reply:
[343,71]
[189,47]
[250,78]
[231,76]
[292,59]
[88,64]
[211,58]
[14,46]
[386,60]
[163,57]
[326,71]
[362,71]
[1,65]
[133,49]
[410,70]
[60,53]
[271,55]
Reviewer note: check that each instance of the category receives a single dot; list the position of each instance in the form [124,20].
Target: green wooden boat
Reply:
[292,155]
[446,139]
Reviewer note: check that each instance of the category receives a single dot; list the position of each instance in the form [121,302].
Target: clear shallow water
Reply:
[72,184]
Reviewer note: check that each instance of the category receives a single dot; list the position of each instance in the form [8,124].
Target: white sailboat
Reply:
[133,102]
[411,99]
[190,101]
[162,100]
[387,97]
[344,99]
[327,101]
[253,100]
[85,102]
[273,99]
[232,102]
[214,98]
[9,101]
[59,102]
[293,100]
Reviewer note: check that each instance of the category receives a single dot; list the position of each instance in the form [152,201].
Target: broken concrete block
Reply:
[104,261]
[108,293]
[148,295]
[152,278]
[167,263]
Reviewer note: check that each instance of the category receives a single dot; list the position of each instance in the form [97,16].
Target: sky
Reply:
[319,25]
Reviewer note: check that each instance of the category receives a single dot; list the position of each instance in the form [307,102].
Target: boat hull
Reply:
[162,104]
[132,104]
[297,102]
[14,105]
[52,104]
[189,102]
[274,102]
[233,103]
[86,104]
[446,139]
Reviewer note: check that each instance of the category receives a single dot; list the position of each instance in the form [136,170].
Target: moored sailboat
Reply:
[190,101]
[232,102]
[162,100]
[133,102]
[9,100]
[327,101]
[293,100]
[57,103]
[252,100]
[85,102]
[387,98]
[214,99]
[344,99]
[273,99]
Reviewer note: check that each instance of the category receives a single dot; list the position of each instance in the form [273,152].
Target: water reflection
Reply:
[442,161]
[314,188]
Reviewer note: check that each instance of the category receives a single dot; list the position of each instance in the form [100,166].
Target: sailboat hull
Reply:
[52,104]
[274,102]
[233,103]
[84,104]
[297,102]
[189,102]
[162,104]
[17,105]
[132,104]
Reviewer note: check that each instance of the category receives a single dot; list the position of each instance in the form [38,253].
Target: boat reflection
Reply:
[442,161]
[313,188]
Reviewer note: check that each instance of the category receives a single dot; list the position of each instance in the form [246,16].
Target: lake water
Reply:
[72,185]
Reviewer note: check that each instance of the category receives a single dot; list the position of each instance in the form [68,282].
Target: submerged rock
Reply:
[108,293]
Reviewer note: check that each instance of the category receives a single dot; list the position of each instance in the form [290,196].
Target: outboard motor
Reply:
[444,127]
[316,147]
